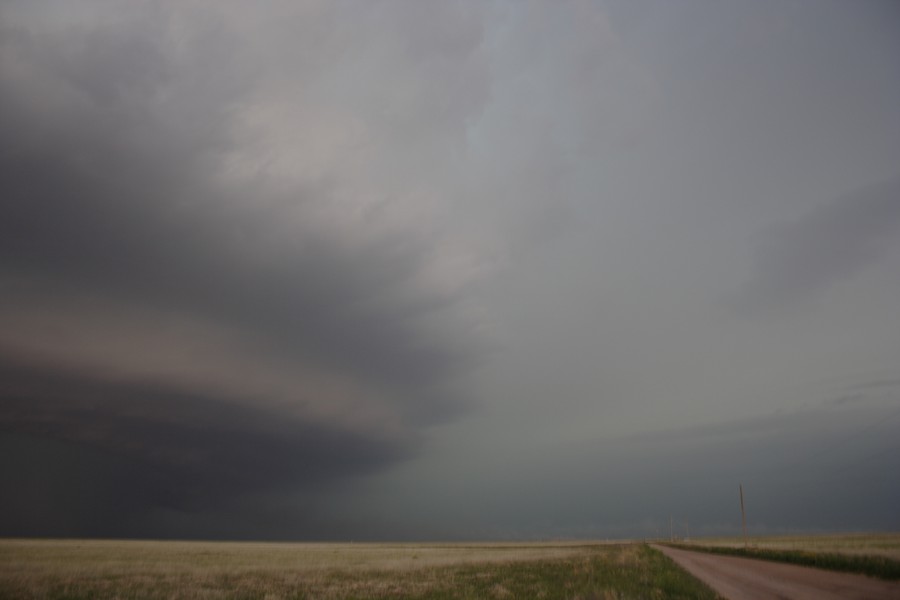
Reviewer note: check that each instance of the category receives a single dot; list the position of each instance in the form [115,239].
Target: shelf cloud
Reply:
[391,269]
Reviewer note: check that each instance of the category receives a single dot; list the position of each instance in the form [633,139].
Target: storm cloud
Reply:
[389,269]
[834,241]
[169,299]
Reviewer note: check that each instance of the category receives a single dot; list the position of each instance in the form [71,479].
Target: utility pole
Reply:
[743,514]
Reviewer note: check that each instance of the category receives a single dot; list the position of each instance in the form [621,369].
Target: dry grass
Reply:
[857,544]
[187,557]
[198,570]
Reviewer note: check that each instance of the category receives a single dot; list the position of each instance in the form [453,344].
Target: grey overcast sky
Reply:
[375,269]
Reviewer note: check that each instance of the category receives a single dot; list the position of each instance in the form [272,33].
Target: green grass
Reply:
[882,567]
[84,569]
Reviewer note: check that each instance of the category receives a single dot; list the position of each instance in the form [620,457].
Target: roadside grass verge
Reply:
[612,572]
[881,567]
[587,572]
[865,543]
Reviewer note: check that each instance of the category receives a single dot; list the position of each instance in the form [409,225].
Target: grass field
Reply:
[870,544]
[133,569]
[876,555]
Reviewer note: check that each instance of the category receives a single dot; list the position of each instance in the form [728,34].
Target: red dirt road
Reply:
[738,578]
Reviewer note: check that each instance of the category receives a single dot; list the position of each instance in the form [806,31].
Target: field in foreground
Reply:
[133,569]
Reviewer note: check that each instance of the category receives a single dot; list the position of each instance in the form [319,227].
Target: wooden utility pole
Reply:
[743,514]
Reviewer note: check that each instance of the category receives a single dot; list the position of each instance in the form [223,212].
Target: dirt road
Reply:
[750,579]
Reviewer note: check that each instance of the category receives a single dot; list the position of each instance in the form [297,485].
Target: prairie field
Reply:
[191,570]
[862,544]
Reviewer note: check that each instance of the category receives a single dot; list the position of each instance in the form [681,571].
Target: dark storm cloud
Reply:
[801,470]
[253,257]
[832,242]
[112,144]
[185,451]
[93,208]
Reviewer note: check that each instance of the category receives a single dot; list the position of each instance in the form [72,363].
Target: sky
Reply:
[441,270]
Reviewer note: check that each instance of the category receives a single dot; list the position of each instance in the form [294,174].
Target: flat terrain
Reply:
[139,569]
[745,579]
[871,544]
